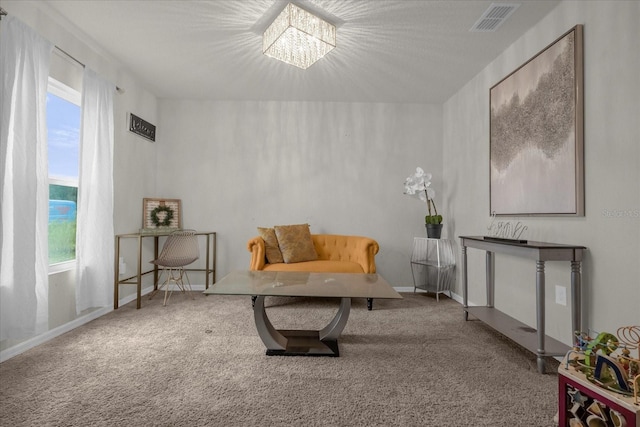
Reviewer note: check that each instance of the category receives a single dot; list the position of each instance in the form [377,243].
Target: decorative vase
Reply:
[434,230]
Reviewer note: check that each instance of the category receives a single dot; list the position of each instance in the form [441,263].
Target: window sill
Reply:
[62,267]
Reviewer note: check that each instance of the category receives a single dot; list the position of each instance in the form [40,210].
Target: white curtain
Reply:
[94,236]
[24,185]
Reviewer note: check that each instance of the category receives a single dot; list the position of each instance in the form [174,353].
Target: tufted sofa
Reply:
[336,254]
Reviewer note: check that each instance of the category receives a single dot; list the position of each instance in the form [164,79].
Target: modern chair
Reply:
[179,250]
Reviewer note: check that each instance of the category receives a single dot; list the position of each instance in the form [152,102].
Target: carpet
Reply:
[200,362]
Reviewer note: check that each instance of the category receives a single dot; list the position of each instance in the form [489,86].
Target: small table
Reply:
[300,284]
[210,263]
[433,265]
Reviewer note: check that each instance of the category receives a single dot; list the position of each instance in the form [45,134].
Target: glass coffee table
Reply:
[324,342]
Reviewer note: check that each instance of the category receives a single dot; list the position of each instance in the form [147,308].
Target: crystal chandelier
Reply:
[298,38]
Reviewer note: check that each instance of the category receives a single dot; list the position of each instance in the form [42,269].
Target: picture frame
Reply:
[537,134]
[161,214]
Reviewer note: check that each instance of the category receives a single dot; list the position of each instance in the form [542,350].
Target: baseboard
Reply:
[406,289]
[62,329]
[51,334]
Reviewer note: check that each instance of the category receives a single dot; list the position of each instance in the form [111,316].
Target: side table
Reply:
[433,265]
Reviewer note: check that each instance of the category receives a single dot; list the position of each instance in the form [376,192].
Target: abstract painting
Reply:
[536,134]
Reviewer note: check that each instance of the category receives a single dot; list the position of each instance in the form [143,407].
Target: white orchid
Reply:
[419,185]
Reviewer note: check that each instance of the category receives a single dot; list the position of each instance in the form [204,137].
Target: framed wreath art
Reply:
[161,214]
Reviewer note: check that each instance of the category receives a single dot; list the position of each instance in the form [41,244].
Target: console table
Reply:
[533,340]
[210,263]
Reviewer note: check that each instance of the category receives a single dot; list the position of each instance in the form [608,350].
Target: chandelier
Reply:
[298,38]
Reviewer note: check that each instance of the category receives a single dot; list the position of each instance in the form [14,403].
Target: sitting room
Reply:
[404,117]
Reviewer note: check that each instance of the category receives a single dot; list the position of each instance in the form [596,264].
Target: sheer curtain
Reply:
[95,240]
[24,186]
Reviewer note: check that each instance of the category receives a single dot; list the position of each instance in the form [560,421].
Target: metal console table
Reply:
[533,340]
[210,263]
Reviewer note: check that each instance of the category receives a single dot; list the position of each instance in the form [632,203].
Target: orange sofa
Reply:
[336,254]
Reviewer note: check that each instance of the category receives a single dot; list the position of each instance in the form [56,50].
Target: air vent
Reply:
[494,16]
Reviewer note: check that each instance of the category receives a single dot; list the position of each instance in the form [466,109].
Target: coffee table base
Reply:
[306,343]
[301,342]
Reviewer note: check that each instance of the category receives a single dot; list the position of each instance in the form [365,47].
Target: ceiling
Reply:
[387,50]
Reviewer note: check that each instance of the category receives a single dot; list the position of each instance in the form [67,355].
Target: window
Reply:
[63,134]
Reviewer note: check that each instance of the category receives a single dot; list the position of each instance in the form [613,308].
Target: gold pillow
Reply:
[271,248]
[295,243]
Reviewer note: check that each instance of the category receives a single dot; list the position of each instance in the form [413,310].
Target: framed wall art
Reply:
[161,214]
[536,133]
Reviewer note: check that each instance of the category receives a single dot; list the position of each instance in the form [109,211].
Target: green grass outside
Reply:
[62,241]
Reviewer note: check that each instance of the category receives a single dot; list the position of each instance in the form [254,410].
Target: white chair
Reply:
[179,250]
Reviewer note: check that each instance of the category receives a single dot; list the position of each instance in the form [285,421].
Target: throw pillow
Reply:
[271,248]
[295,243]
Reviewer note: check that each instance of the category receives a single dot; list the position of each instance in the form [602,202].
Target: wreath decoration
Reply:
[167,218]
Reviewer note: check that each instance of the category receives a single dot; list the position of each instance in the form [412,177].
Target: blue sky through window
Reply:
[63,127]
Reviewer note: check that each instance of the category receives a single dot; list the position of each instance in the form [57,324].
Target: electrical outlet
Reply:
[561,295]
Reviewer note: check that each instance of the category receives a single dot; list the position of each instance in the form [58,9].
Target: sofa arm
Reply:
[256,247]
[368,255]
[361,250]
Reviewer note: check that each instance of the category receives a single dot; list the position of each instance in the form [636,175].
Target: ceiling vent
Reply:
[494,16]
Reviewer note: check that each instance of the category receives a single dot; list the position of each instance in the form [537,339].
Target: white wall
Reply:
[611,271]
[338,166]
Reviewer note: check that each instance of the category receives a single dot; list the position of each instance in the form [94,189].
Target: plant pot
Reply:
[434,230]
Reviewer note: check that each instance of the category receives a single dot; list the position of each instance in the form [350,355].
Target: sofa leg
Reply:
[253,300]
[369,304]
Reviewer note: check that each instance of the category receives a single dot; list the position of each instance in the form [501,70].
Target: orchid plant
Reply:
[419,185]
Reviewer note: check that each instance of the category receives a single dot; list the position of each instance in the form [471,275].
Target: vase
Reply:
[434,230]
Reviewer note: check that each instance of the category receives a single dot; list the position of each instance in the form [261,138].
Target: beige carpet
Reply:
[410,362]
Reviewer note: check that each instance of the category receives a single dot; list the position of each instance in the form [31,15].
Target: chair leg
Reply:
[177,279]
[174,275]
[188,284]
[167,284]
[157,287]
